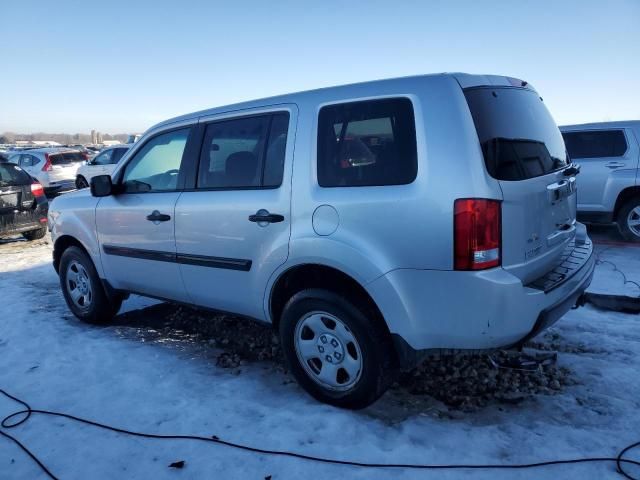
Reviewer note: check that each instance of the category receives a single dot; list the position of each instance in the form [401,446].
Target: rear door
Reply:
[232,229]
[523,149]
[602,154]
[28,163]
[136,228]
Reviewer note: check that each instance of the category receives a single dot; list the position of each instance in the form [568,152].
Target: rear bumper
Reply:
[431,311]
[15,223]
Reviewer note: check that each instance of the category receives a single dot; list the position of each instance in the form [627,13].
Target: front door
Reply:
[136,227]
[232,230]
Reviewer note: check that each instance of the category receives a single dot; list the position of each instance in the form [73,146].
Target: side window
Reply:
[117,155]
[367,143]
[156,166]
[244,152]
[595,144]
[30,160]
[103,158]
[274,156]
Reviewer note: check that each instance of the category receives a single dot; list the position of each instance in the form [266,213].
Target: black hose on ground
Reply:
[19,417]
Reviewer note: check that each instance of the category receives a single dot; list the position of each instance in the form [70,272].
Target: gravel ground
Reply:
[458,383]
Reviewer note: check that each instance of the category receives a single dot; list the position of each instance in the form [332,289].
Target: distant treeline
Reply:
[64,138]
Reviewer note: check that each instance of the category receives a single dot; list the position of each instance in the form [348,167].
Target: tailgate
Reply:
[524,150]
[539,220]
[64,166]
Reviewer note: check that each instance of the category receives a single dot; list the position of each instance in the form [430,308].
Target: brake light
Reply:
[47,163]
[85,156]
[37,190]
[477,234]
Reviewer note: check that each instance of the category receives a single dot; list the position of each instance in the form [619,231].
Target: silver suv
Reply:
[372,224]
[610,180]
[54,168]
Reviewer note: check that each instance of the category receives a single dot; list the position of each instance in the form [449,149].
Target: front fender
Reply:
[73,215]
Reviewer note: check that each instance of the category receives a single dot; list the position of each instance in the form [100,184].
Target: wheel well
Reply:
[308,276]
[623,197]
[61,245]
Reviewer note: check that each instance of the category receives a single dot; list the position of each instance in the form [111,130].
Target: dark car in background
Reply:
[23,205]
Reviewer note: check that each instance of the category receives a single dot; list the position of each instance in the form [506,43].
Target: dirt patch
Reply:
[460,382]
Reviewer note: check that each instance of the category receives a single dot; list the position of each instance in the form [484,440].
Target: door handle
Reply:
[263,216]
[156,216]
[614,164]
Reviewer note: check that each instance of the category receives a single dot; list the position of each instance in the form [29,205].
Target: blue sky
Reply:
[120,66]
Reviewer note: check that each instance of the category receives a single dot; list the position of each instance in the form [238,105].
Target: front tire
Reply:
[83,289]
[629,220]
[35,234]
[337,353]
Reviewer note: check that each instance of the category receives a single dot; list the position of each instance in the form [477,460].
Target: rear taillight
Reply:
[85,156]
[37,190]
[477,232]
[47,163]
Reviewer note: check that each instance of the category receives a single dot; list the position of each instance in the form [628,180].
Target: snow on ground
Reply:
[171,384]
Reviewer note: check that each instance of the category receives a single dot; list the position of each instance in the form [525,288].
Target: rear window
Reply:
[11,174]
[367,143]
[518,136]
[595,144]
[66,158]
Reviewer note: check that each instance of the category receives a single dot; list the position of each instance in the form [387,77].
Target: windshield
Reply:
[518,136]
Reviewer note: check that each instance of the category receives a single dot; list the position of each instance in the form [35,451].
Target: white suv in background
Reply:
[609,185]
[102,164]
[54,168]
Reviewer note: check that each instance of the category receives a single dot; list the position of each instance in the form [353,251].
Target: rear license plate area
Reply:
[8,200]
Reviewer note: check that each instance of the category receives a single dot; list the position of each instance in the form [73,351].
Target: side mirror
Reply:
[101,186]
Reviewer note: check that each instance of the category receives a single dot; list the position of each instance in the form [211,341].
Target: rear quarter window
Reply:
[367,143]
[595,144]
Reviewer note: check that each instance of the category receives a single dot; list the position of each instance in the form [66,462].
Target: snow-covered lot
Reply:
[148,374]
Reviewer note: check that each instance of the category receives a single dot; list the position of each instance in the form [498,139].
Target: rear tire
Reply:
[628,220]
[83,289]
[81,182]
[337,353]
[35,234]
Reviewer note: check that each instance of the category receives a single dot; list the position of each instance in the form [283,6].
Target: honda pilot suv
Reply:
[372,224]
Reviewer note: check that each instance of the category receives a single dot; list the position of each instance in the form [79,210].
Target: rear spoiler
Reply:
[466,80]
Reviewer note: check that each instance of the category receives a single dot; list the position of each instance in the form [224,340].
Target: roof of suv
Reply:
[595,125]
[464,79]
